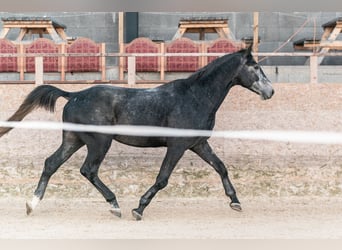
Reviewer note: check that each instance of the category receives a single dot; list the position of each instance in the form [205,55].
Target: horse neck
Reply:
[216,81]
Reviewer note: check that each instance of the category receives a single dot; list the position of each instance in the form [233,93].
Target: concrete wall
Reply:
[256,167]
[275,28]
[98,26]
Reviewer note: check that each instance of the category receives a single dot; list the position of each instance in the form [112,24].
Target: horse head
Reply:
[251,76]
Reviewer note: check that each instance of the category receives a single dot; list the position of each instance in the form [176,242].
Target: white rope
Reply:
[311,137]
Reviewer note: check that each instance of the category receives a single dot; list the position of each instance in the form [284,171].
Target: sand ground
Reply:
[170,218]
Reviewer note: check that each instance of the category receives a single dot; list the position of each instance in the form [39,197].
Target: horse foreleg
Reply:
[206,153]
[69,146]
[172,157]
[90,169]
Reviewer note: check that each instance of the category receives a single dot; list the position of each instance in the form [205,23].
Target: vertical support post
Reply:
[63,61]
[202,34]
[162,62]
[121,62]
[203,59]
[121,28]
[121,45]
[21,62]
[313,69]
[255,34]
[131,70]
[103,62]
[39,70]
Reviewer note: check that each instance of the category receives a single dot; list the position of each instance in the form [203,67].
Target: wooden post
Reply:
[131,70]
[202,34]
[255,33]
[313,69]
[162,62]
[121,28]
[63,62]
[121,45]
[103,62]
[121,62]
[39,70]
[203,59]
[21,62]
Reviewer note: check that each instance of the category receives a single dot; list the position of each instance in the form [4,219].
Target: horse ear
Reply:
[248,51]
[246,54]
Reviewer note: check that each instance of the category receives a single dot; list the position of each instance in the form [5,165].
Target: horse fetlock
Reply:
[236,206]
[115,209]
[30,206]
[137,216]
[113,202]
[116,212]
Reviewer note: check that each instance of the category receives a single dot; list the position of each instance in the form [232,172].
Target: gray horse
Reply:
[189,103]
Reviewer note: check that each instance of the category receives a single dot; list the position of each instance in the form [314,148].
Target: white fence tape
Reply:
[311,137]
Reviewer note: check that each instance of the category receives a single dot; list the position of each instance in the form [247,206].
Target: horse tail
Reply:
[44,96]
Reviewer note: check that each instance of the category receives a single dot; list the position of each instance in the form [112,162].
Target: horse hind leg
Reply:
[70,145]
[97,150]
[206,153]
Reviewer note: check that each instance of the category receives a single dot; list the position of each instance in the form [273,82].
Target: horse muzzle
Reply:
[264,89]
[267,94]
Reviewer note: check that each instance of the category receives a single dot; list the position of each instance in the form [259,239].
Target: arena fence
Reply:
[132,60]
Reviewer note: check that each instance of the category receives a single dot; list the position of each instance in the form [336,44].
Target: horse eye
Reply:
[256,67]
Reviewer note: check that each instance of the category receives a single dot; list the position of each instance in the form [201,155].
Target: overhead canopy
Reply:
[34,25]
[203,26]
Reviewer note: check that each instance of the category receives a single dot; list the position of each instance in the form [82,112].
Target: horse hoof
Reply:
[136,215]
[116,212]
[29,208]
[236,206]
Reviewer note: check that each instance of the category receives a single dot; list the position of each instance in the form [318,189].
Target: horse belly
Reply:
[141,141]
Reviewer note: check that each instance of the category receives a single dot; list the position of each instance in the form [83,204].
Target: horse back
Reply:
[170,105]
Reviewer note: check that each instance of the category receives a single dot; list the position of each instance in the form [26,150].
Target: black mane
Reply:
[207,70]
